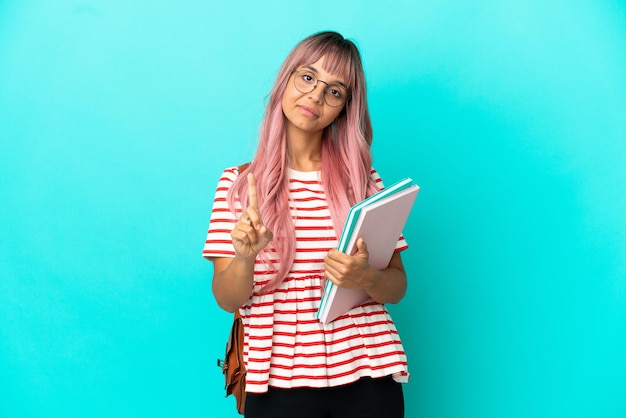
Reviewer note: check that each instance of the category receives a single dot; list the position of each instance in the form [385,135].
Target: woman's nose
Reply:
[318,93]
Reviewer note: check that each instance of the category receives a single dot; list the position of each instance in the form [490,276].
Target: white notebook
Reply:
[379,220]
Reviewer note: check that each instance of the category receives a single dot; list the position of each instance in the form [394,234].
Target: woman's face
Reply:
[310,113]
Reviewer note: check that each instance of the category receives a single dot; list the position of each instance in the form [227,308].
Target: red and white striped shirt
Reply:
[285,345]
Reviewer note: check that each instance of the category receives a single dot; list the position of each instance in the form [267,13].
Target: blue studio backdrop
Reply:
[117,118]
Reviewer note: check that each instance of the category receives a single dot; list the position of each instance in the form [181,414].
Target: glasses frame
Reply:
[317,81]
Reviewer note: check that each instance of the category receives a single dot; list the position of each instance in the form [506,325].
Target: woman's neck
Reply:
[305,152]
[306,164]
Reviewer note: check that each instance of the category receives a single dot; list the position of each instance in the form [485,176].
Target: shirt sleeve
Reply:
[402,244]
[218,242]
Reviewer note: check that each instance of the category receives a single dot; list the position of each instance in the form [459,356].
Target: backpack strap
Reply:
[243,167]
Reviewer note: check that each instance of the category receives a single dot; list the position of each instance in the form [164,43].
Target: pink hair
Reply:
[346,155]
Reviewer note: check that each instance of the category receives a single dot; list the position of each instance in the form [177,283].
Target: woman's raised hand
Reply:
[250,236]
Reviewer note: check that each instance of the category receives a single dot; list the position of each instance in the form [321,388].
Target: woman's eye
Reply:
[335,92]
[308,78]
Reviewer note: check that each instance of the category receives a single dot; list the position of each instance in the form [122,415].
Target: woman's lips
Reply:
[309,111]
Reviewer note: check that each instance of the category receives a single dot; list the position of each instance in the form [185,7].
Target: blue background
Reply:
[117,118]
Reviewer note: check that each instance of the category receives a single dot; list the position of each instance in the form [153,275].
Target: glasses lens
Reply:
[305,81]
[335,95]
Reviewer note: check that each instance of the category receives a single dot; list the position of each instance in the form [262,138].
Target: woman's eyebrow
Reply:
[312,68]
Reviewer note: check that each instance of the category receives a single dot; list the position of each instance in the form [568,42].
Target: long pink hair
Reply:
[346,156]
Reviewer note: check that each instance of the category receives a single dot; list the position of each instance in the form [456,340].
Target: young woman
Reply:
[272,239]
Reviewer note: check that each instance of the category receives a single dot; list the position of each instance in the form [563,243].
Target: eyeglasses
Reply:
[335,95]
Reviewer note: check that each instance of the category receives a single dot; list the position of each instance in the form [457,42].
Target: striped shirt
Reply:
[285,346]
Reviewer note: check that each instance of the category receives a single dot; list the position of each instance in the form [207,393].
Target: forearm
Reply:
[233,278]
[388,285]
[232,281]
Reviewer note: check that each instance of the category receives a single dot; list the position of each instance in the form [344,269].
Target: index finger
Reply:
[252,200]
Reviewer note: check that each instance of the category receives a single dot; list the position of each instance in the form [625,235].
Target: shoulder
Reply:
[226,181]
[227,178]
[231,173]
[375,177]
